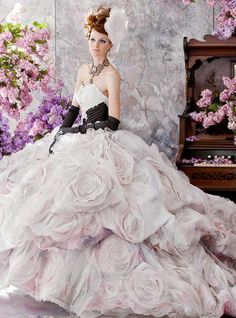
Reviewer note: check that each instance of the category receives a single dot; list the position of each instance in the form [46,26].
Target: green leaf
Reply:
[40,41]
[13,82]
[213,106]
[37,137]
[43,72]
[215,96]
[39,25]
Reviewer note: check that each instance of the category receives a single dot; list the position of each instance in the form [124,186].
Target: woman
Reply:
[105,224]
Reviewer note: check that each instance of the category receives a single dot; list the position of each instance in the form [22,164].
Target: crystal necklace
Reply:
[96,70]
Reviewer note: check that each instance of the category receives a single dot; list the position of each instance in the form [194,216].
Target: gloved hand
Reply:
[65,130]
[68,121]
[111,123]
[74,130]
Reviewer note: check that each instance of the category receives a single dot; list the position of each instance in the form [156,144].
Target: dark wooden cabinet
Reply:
[206,62]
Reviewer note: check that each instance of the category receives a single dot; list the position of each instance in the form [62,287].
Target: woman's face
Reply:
[99,44]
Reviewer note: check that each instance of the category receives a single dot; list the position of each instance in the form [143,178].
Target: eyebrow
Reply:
[100,38]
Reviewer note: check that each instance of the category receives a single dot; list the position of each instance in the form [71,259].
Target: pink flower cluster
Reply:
[23,65]
[213,112]
[192,138]
[35,125]
[216,160]
[225,20]
[206,98]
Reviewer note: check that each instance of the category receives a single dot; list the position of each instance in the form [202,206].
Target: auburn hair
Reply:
[96,20]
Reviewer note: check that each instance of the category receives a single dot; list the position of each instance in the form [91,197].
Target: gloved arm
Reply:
[68,121]
[111,123]
[71,116]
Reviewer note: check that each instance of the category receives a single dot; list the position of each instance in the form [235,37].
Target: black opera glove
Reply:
[68,121]
[111,123]
[71,116]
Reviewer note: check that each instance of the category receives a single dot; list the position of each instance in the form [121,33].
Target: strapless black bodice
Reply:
[96,113]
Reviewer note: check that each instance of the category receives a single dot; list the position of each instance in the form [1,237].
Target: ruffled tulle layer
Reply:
[107,226]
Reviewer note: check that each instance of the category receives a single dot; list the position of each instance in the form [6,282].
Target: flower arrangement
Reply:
[24,62]
[5,136]
[35,125]
[225,20]
[214,107]
[210,161]
[25,66]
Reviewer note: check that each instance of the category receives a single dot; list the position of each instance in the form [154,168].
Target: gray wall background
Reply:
[150,61]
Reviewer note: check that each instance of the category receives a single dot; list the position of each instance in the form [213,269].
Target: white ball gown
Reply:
[107,226]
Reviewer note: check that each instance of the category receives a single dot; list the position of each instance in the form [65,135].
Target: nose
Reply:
[96,44]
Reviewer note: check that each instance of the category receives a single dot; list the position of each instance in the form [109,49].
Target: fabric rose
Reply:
[146,291]
[117,257]
[112,294]
[60,227]
[124,163]
[138,216]
[132,143]
[91,224]
[90,189]
[79,283]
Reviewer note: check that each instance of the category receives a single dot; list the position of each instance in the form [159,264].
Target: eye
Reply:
[102,41]
[92,39]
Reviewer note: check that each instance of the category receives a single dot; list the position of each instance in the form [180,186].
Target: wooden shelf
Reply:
[214,178]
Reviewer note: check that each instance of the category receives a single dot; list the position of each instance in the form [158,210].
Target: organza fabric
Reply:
[117,27]
[107,226]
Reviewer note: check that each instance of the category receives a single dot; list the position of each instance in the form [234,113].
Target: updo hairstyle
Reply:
[96,20]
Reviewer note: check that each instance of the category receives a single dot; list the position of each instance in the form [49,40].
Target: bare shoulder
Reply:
[83,68]
[112,74]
